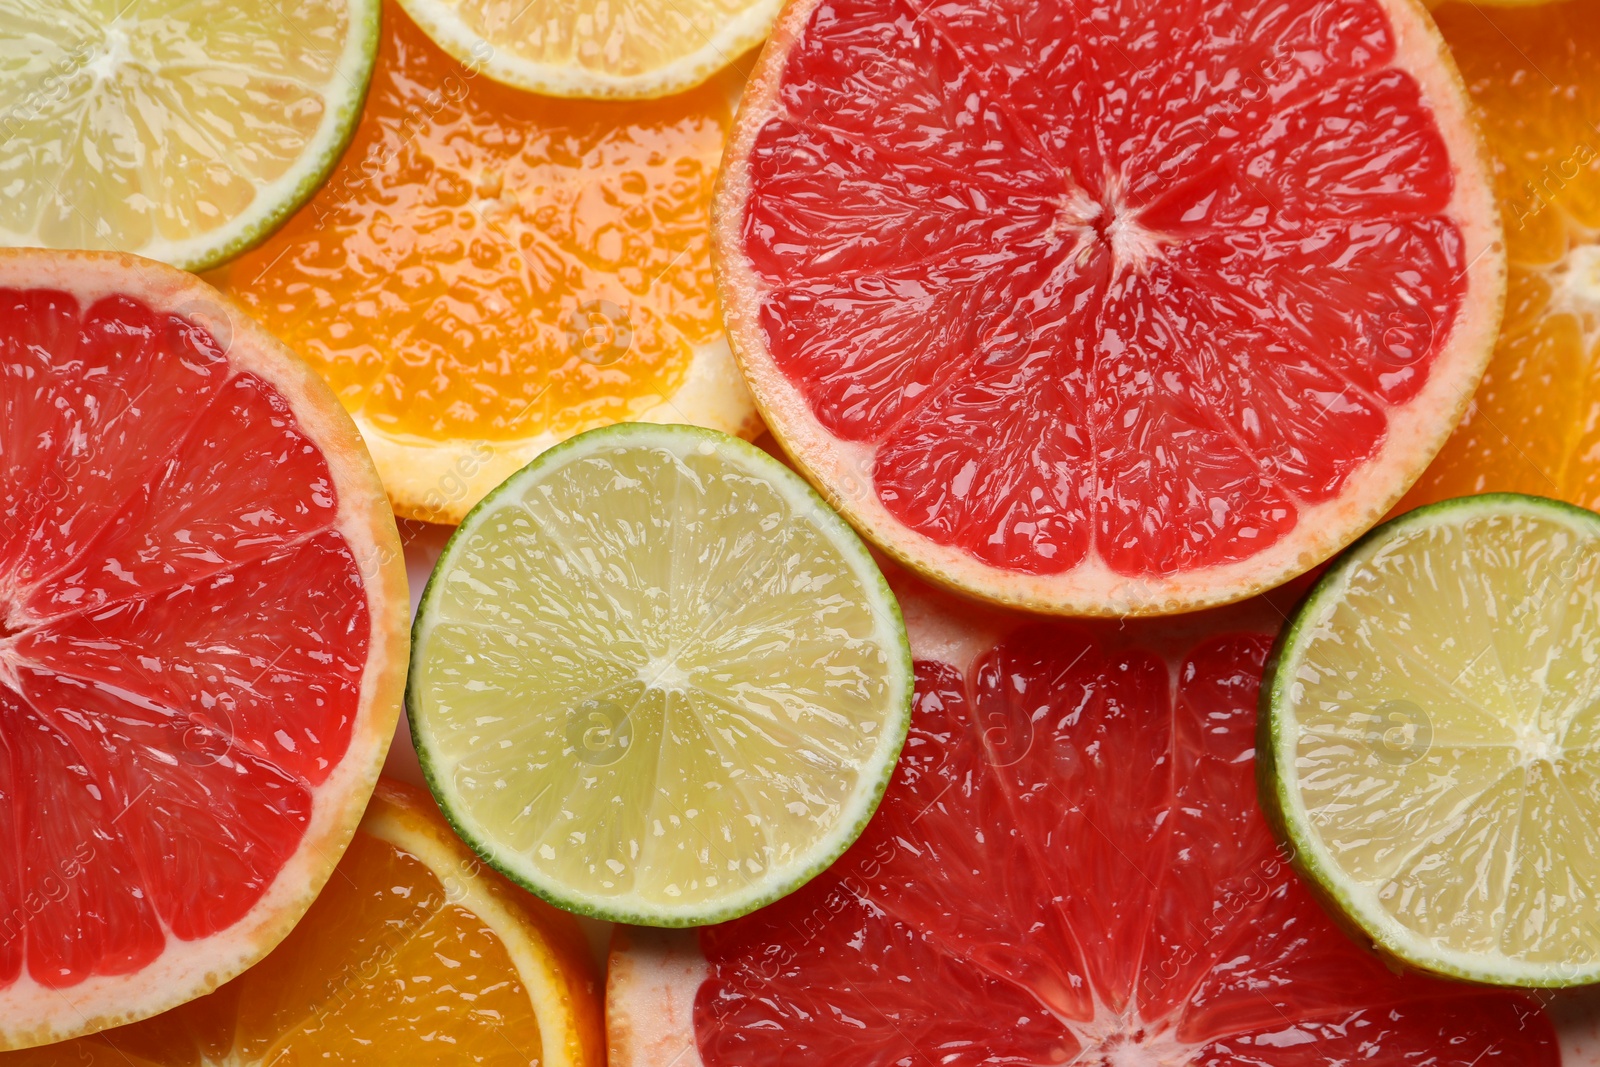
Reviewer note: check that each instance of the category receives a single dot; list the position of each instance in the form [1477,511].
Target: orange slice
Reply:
[1534,424]
[202,640]
[490,272]
[414,954]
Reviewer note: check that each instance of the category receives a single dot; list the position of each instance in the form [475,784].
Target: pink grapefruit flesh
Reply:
[202,639]
[1116,309]
[1069,867]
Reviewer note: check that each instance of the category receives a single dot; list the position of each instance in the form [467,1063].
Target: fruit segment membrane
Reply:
[182,635]
[1070,866]
[1470,649]
[486,264]
[1534,426]
[387,961]
[1137,283]
[657,678]
[169,125]
[614,38]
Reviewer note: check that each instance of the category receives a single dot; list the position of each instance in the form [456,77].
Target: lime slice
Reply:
[620,49]
[183,130]
[1431,739]
[655,679]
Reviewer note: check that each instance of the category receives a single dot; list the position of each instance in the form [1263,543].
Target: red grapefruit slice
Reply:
[1123,309]
[202,640]
[1069,867]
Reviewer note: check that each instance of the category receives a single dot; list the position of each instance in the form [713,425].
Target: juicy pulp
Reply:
[1124,290]
[1435,725]
[655,679]
[487,264]
[1070,867]
[183,635]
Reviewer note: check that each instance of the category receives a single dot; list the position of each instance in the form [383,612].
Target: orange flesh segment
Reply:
[1534,426]
[384,968]
[183,635]
[487,264]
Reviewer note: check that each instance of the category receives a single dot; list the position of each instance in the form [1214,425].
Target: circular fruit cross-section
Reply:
[1127,309]
[202,640]
[1070,867]
[616,49]
[488,273]
[183,130]
[655,679]
[491,974]
[1432,743]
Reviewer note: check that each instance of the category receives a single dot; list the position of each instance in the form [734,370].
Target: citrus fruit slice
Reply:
[1534,424]
[1431,748]
[655,679]
[488,273]
[619,49]
[1074,312]
[1069,867]
[415,953]
[202,640]
[183,130]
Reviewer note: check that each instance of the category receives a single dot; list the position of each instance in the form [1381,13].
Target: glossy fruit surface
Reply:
[1126,309]
[489,272]
[183,130]
[1431,749]
[1069,867]
[615,49]
[1534,424]
[202,640]
[414,954]
[656,680]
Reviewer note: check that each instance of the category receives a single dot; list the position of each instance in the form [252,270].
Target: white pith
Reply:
[111,62]
[1361,899]
[1416,430]
[440,481]
[31,1014]
[665,673]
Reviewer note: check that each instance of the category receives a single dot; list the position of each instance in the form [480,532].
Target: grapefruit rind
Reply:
[651,980]
[441,21]
[787,879]
[33,1015]
[1417,429]
[1349,905]
[276,200]
[554,969]
[441,481]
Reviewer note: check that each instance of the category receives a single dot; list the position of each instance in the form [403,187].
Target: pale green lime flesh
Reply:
[656,680]
[1431,739]
[182,130]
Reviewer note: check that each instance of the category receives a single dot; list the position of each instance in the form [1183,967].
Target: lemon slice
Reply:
[656,679]
[620,49]
[1431,741]
[183,130]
